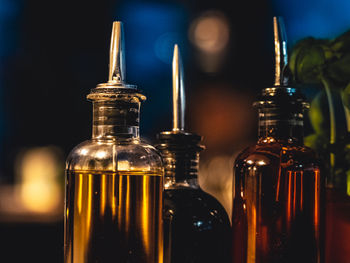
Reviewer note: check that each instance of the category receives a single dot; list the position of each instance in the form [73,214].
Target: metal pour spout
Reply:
[178,92]
[116,86]
[281,53]
[117,55]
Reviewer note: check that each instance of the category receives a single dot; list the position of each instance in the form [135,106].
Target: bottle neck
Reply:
[180,152]
[180,168]
[115,119]
[281,124]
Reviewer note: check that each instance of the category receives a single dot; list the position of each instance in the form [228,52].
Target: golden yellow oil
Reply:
[113,217]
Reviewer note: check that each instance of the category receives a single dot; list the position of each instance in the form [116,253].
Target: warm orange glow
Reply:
[112,195]
[294,193]
[278,184]
[252,217]
[127,201]
[160,233]
[317,202]
[82,214]
[37,172]
[137,214]
[264,239]
[251,252]
[89,204]
[145,213]
[103,194]
[120,199]
[80,193]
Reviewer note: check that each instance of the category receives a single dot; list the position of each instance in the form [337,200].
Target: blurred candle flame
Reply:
[37,179]
[210,34]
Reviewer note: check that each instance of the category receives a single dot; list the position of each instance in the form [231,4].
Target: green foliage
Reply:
[324,62]
[327,63]
[316,60]
[316,141]
[346,96]
[307,60]
[339,70]
[318,114]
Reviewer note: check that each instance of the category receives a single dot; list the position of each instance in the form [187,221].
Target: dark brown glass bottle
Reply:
[277,185]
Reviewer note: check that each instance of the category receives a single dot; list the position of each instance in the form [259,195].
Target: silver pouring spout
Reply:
[281,52]
[117,55]
[178,92]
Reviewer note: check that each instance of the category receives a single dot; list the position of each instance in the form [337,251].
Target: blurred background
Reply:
[53,52]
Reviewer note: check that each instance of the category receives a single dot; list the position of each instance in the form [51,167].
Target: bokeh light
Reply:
[38,173]
[210,32]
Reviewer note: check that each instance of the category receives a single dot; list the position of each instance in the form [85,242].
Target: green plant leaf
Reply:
[316,142]
[339,70]
[319,115]
[307,60]
[341,44]
[295,54]
[345,95]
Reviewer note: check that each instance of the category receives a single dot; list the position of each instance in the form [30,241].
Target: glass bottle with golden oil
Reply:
[278,188]
[197,228]
[114,181]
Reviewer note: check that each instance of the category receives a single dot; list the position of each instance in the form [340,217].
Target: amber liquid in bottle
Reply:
[114,217]
[114,181]
[277,196]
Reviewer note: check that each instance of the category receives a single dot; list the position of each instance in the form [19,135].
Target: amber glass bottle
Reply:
[114,181]
[277,185]
[197,228]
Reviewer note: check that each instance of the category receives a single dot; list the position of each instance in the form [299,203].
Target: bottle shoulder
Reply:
[194,203]
[284,154]
[126,155]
